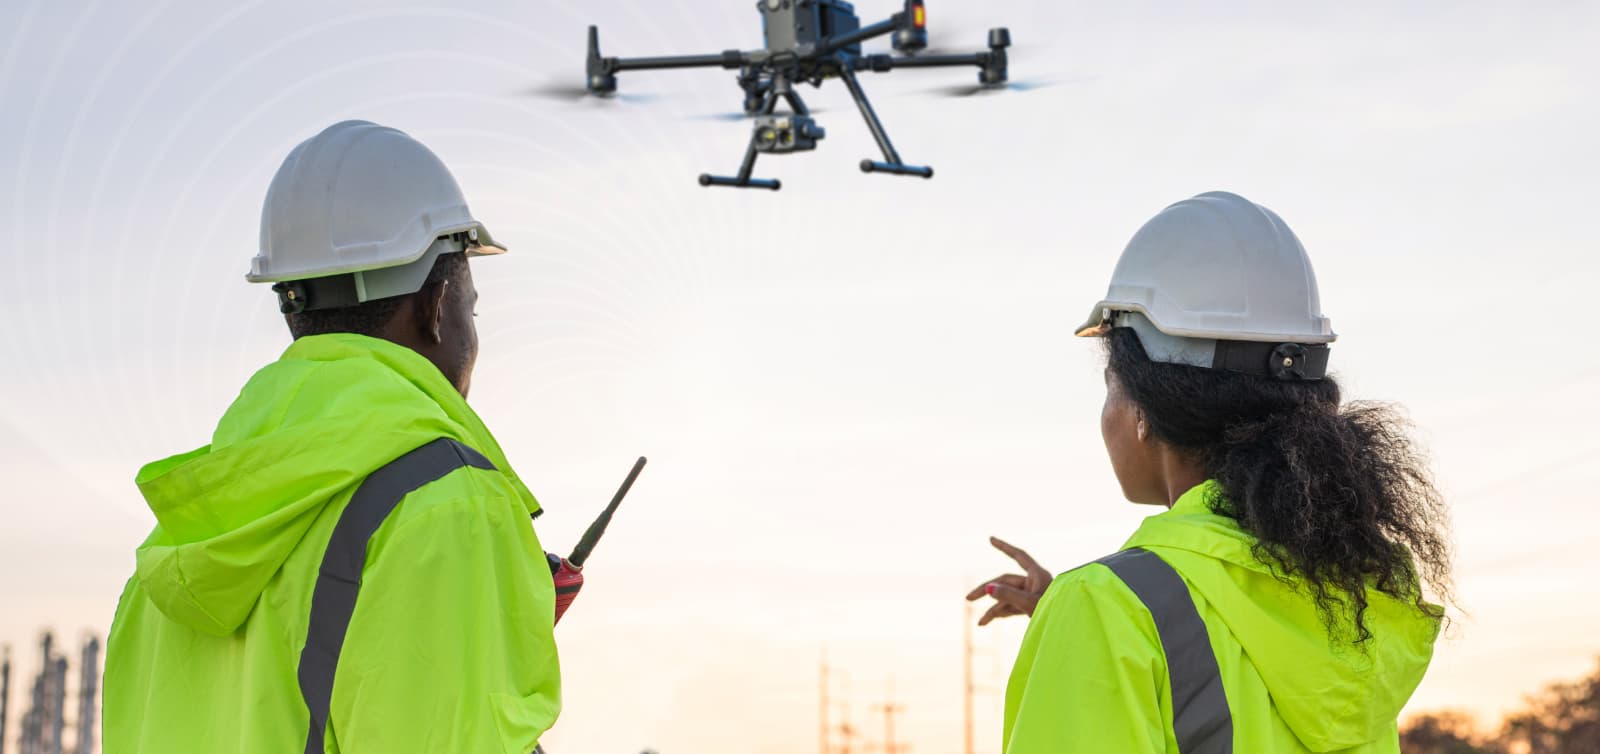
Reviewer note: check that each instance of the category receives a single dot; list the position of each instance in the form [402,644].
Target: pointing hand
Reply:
[1013,594]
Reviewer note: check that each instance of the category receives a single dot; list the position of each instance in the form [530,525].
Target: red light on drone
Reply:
[919,16]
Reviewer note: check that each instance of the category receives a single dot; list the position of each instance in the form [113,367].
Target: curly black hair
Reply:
[1336,494]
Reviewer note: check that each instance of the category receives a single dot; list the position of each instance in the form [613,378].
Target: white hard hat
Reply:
[367,204]
[1219,281]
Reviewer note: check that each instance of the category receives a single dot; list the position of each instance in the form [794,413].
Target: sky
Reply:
[843,387]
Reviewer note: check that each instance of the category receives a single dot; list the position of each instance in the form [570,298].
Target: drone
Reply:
[809,42]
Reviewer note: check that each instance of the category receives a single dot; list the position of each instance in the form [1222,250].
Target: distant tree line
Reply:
[1562,719]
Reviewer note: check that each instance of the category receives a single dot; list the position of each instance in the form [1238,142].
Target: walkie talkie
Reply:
[568,572]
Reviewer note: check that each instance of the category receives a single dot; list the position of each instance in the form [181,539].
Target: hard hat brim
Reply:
[485,245]
[1101,319]
[482,243]
[1098,323]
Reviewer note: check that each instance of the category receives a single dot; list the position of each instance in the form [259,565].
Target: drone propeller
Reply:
[741,116]
[728,117]
[969,90]
[578,93]
[571,93]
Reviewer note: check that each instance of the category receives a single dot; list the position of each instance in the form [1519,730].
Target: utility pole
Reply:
[88,685]
[822,706]
[841,737]
[889,710]
[966,675]
[847,732]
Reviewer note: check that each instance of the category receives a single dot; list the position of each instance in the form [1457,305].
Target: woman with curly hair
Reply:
[1282,602]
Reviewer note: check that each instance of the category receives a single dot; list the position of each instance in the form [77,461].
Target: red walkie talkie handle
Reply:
[568,579]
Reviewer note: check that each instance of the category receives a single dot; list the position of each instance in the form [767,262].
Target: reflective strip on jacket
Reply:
[1092,674]
[450,647]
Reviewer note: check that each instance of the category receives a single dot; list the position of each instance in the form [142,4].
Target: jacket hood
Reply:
[1331,693]
[305,428]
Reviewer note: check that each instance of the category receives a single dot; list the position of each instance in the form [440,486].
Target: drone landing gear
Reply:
[776,134]
[893,164]
[743,180]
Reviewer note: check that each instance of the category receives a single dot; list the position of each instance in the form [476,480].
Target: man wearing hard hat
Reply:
[349,565]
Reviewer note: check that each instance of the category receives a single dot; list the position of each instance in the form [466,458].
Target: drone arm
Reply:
[730,59]
[881,63]
[601,72]
[993,62]
[834,44]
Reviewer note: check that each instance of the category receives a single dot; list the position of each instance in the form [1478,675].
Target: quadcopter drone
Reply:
[810,41]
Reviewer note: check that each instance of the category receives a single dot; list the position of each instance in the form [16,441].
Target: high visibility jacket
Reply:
[449,647]
[1188,643]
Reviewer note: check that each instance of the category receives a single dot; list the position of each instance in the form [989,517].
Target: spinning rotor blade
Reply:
[741,116]
[630,98]
[579,93]
[728,117]
[570,93]
[969,90]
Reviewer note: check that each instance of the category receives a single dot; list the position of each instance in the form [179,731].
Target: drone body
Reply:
[809,42]
[789,25]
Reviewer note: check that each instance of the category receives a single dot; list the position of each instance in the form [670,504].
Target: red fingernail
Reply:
[988,589]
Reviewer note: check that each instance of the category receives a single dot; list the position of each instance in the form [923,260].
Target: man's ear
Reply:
[430,311]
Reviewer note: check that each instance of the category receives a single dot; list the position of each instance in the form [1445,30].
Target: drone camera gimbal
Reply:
[781,134]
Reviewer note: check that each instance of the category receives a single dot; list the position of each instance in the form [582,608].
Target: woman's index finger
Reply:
[1016,553]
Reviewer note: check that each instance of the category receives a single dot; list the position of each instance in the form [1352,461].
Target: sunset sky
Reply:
[843,387]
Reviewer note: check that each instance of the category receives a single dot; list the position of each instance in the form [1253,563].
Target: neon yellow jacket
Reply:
[1091,675]
[450,647]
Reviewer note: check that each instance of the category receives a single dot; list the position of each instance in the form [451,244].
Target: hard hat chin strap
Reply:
[1285,361]
[315,294]
[1290,362]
